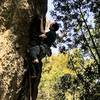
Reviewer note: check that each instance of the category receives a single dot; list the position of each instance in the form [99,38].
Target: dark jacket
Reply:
[51,37]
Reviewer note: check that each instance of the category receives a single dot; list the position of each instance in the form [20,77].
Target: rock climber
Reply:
[41,45]
[39,51]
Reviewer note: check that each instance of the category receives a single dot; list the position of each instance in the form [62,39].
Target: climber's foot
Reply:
[34,76]
[35,61]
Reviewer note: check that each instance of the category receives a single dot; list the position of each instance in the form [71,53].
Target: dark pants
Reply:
[38,52]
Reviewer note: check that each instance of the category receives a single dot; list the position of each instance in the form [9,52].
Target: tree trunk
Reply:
[15,19]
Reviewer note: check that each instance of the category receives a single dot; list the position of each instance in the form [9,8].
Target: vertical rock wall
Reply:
[15,18]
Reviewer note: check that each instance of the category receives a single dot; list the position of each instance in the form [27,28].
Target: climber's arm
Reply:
[41,26]
[43,35]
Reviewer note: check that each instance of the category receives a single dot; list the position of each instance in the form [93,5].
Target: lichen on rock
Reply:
[15,17]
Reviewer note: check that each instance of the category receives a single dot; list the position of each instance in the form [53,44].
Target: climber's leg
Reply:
[36,60]
[34,53]
[44,50]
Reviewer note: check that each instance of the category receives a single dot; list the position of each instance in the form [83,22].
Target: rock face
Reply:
[15,19]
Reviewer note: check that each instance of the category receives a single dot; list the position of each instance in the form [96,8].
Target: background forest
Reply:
[74,73]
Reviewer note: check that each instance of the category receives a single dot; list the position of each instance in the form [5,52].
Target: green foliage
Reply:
[81,32]
[69,76]
[54,68]
[77,77]
[84,34]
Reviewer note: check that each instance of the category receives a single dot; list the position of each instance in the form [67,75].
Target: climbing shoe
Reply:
[33,76]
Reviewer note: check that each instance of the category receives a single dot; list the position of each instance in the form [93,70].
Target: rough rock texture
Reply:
[15,18]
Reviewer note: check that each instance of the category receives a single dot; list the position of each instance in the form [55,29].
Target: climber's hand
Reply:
[43,36]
